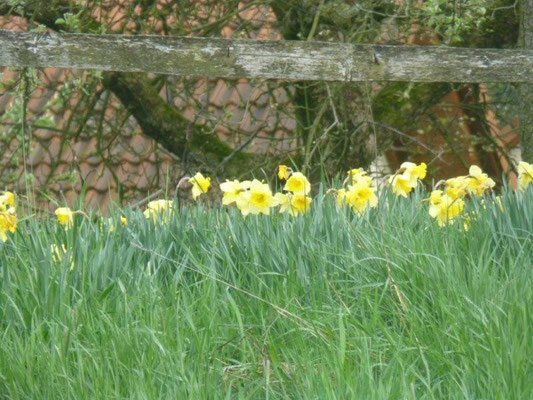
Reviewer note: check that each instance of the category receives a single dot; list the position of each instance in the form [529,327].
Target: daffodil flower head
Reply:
[456,187]
[283,201]
[65,216]
[159,209]
[294,204]
[232,190]
[243,202]
[356,175]
[7,200]
[297,184]
[160,205]
[525,174]
[257,200]
[8,223]
[284,172]
[200,184]
[414,172]
[406,179]
[407,166]
[446,209]
[356,171]
[436,197]
[420,171]
[362,179]
[299,204]
[478,181]
[361,196]
[401,184]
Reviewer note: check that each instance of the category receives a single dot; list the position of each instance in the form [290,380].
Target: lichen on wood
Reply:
[526,90]
[284,60]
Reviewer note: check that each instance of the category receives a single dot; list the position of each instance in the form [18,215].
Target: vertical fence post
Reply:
[526,89]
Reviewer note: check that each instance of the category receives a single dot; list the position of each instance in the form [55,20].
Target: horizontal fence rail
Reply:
[284,60]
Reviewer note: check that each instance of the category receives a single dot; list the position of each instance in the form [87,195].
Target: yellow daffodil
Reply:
[360,196]
[243,202]
[406,179]
[7,200]
[294,204]
[407,166]
[160,205]
[283,172]
[420,171]
[354,173]
[400,184]
[65,216]
[257,200]
[297,184]
[436,197]
[283,201]
[525,174]
[362,179]
[299,204]
[232,190]
[479,182]
[358,175]
[414,172]
[123,221]
[157,208]
[456,187]
[200,185]
[444,208]
[8,223]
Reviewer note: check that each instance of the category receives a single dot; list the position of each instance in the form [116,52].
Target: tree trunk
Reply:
[158,119]
[161,121]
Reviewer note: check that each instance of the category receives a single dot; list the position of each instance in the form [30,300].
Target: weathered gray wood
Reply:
[526,90]
[287,60]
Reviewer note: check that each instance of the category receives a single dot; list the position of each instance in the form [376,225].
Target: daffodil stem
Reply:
[81,213]
[185,178]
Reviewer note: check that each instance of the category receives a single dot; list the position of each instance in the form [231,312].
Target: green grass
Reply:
[326,306]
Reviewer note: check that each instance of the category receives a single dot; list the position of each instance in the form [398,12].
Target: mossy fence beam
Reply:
[283,60]
[526,90]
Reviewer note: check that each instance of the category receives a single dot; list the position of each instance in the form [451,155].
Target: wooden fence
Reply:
[284,60]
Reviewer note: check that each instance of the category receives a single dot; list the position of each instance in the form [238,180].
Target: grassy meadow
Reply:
[328,305]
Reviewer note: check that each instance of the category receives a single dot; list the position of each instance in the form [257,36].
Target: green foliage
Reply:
[337,125]
[453,20]
[17,124]
[70,22]
[214,305]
